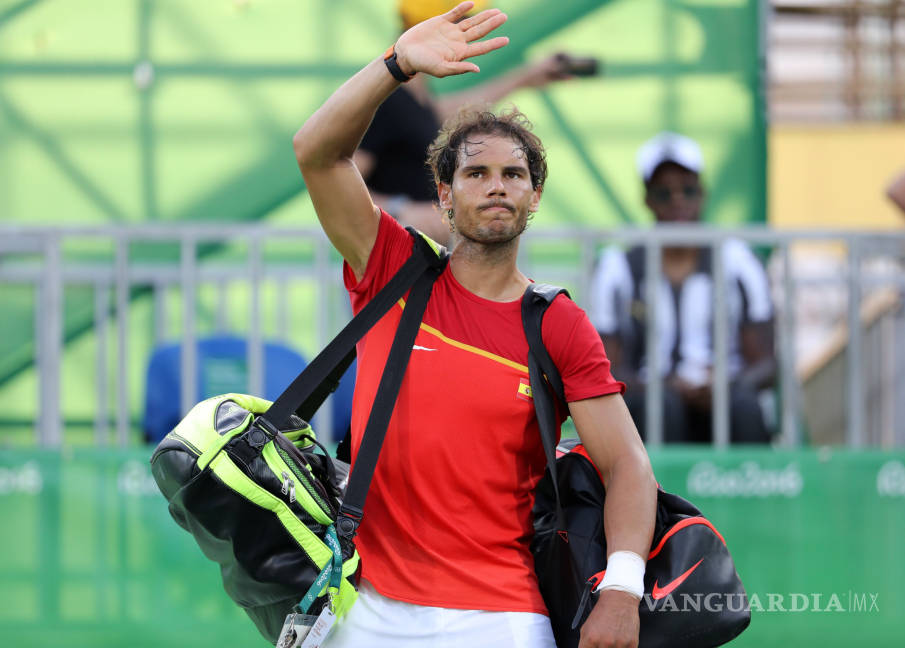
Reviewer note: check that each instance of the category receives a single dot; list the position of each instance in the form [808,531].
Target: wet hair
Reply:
[443,153]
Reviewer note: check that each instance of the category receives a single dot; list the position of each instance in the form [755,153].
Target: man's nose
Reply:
[496,186]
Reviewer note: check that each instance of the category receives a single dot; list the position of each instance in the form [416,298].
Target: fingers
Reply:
[459,11]
[477,19]
[451,68]
[482,47]
[485,22]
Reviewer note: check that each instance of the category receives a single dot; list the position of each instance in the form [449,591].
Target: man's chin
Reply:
[501,232]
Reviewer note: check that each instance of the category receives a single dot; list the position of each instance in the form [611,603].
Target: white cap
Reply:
[669,147]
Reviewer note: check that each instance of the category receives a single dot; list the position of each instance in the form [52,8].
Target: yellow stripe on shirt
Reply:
[472,349]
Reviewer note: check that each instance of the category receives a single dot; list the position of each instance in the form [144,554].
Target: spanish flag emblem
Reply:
[524,389]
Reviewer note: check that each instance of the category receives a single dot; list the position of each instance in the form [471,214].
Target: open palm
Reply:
[439,46]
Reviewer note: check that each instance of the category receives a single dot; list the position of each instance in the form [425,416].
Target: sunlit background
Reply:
[149,197]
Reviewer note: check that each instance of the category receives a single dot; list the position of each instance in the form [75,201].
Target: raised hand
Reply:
[440,45]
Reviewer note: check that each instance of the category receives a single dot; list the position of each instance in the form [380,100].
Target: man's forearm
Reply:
[486,93]
[609,435]
[630,508]
[530,75]
[334,131]
[629,514]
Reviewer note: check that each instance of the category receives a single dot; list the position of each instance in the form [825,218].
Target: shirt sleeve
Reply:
[747,270]
[392,248]
[610,284]
[577,351]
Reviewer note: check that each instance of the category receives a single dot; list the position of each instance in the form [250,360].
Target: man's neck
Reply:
[488,271]
[679,263]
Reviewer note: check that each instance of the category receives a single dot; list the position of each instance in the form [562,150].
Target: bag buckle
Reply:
[262,431]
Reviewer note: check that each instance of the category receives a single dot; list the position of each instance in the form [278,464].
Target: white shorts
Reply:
[376,621]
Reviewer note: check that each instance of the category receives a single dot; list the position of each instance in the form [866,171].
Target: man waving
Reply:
[445,534]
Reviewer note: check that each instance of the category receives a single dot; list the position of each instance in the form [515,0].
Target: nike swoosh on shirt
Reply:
[659,592]
[418,347]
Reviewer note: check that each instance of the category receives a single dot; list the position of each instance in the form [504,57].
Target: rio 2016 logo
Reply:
[750,479]
[23,480]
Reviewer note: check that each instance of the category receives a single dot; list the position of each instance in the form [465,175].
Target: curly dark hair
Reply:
[443,154]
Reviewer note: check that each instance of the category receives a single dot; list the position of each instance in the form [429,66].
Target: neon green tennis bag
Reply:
[262,498]
[262,505]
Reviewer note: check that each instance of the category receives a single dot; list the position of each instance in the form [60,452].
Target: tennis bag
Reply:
[693,596]
[260,503]
[262,498]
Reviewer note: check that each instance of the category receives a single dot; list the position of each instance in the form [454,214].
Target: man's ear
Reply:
[444,195]
[535,199]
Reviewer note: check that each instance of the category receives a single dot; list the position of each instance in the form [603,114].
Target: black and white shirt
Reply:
[685,313]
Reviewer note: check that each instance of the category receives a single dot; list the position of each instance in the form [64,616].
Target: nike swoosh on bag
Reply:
[659,592]
[418,347]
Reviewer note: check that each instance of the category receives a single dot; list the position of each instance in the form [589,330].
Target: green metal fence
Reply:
[138,111]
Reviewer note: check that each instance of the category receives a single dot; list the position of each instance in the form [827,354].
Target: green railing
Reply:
[138,111]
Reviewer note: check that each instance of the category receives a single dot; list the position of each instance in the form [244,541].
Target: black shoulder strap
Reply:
[546,383]
[322,375]
[535,301]
[382,410]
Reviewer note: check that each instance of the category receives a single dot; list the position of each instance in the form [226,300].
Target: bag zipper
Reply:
[288,487]
[304,477]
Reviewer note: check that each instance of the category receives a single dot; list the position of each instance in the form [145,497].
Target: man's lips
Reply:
[497,207]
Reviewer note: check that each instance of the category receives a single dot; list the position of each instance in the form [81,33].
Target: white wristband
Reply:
[625,572]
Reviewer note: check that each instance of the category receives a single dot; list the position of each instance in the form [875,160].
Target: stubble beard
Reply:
[493,244]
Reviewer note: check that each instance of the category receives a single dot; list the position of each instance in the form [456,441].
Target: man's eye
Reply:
[475,174]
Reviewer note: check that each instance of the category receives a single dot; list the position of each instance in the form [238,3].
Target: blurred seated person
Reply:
[670,166]
[392,153]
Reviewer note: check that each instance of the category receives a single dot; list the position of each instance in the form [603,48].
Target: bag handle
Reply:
[546,383]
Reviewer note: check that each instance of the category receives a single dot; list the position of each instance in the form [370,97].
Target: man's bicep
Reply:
[345,211]
[366,162]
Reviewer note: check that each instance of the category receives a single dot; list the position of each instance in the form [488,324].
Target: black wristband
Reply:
[393,65]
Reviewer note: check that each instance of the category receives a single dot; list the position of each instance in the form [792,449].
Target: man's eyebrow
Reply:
[483,167]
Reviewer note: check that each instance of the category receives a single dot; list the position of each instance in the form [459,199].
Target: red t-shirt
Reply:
[447,521]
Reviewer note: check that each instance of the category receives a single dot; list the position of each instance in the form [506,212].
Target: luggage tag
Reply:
[295,628]
[321,628]
[306,630]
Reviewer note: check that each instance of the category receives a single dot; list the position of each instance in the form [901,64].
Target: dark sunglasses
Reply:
[662,195]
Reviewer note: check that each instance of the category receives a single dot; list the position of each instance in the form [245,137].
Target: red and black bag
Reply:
[693,596]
